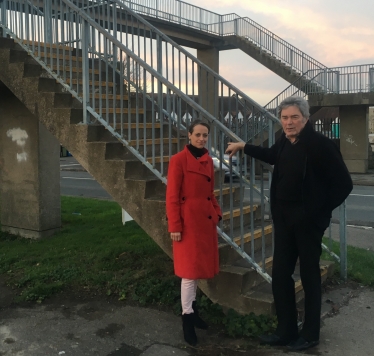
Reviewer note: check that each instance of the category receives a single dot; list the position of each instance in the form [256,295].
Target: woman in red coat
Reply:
[193,214]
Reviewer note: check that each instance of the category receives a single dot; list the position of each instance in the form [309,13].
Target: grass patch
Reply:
[93,251]
[360,263]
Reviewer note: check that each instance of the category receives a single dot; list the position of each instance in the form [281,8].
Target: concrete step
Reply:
[261,298]
[236,286]
[229,256]
[232,216]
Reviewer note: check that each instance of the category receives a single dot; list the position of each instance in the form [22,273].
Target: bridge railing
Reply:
[338,80]
[182,13]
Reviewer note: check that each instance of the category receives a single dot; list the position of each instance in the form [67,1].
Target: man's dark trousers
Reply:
[296,236]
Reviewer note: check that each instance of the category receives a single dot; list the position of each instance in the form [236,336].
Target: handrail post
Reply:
[180,12]
[47,21]
[3,16]
[343,240]
[85,69]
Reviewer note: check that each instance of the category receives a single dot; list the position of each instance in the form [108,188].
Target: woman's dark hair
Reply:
[198,122]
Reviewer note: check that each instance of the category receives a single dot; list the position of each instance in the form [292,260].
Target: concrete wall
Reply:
[354,137]
[29,172]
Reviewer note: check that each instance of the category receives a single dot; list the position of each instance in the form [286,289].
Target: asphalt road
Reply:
[360,203]
[81,184]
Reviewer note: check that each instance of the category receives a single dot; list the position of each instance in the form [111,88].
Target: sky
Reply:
[334,32]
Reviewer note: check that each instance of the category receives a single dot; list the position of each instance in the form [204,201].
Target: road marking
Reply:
[68,165]
[361,227]
[77,178]
[361,195]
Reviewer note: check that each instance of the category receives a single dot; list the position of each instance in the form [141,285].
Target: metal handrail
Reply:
[226,25]
[337,80]
[94,78]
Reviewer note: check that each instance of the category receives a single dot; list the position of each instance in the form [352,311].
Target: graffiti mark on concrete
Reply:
[20,137]
[349,139]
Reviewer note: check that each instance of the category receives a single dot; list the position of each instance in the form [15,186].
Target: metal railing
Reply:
[337,80]
[139,85]
[185,14]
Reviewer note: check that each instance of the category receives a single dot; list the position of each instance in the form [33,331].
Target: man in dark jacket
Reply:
[309,181]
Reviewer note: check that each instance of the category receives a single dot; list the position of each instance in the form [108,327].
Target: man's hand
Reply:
[233,147]
[176,236]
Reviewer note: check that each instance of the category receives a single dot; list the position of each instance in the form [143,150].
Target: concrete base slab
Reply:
[29,234]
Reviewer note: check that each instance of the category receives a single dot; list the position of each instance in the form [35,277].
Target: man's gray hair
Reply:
[297,101]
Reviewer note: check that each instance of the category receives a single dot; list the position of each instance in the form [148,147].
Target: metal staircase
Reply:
[114,90]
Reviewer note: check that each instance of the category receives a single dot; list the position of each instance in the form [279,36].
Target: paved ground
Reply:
[103,327]
[82,326]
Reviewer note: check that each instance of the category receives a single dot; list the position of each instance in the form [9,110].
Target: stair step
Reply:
[109,97]
[61,68]
[229,256]
[257,234]
[96,83]
[262,295]
[59,56]
[123,111]
[155,141]
[139,125]
[237,212]
[47,45]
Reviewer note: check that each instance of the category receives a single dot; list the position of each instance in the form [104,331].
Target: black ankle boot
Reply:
[189,329]
[199,323]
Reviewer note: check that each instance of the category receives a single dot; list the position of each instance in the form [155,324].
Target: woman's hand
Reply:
[233,147]
[176,236]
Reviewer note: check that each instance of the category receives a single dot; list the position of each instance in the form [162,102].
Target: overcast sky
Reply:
[334,32]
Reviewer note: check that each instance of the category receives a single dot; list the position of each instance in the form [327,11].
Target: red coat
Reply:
[192,209]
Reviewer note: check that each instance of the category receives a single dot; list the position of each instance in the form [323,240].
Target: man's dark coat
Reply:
[326,180]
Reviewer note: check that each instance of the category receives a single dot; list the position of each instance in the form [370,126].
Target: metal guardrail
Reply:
[337,80]
[126,82]
[185,14]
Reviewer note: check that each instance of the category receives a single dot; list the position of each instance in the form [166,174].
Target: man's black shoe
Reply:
[301,344]
[273,340]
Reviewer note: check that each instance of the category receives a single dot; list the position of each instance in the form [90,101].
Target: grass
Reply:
[94,251]
[360,263]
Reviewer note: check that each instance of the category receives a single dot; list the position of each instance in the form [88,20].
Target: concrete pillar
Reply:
[371,127]
[208,92]
[354,137]
[29,172]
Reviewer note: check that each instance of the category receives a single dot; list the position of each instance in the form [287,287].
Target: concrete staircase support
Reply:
[354,137]
[29,172]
